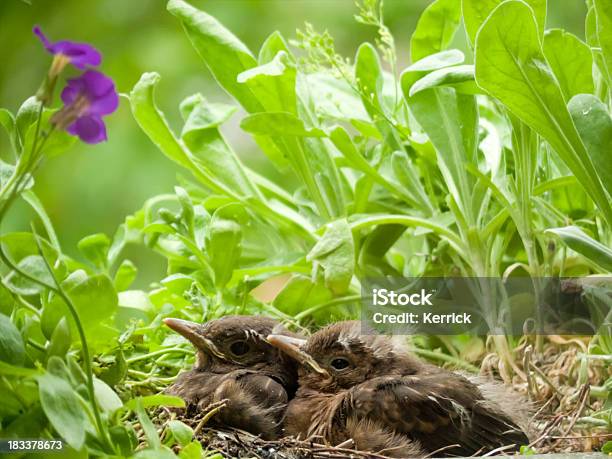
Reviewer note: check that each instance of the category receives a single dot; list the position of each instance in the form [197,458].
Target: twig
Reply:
[211,410]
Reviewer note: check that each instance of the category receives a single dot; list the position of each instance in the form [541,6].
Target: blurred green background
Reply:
[92,188]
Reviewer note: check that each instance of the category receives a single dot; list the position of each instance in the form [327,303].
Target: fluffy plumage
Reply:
[234,362]
[371,389]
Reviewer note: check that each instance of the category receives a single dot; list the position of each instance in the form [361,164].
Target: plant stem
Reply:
[84,346]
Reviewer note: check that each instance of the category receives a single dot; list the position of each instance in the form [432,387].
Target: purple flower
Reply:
[86,99]
[81,55]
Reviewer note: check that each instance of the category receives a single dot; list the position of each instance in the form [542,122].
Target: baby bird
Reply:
[371,390]
[234,362]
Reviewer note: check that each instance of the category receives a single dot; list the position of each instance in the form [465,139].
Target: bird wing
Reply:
[439,410]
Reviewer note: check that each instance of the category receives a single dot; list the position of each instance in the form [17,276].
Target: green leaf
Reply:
[461,77]
[153,122]
[224,54]
[30,197]
[511,67]
[12,349]
[271,47]
[7,120]
[209,149]
[181,432]
[95,300]
[571,60]
[223,245]
[436,28]
[335,252]
[579,241]
[7,369]
[369,77]
[437,61]
[106,397]
[450,121]
[125,275]
[194,451]
[60,340]
[35,267]
[64,409]
[95,248]
[26,115]
[273,84]
[595,127]
[278,124]
[603,9]
[475,12]
[301,293]
[147,426]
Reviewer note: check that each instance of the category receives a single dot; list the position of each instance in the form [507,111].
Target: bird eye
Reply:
[239,348]
[340,363]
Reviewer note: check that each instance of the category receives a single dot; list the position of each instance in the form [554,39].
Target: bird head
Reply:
[235,342]
[341,356]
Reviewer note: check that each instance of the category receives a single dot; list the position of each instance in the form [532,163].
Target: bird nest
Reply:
[561,423]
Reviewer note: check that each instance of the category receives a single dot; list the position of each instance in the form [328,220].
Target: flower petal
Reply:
[45,41]
[72,90]
[81,55]
[100,91]
[90,129]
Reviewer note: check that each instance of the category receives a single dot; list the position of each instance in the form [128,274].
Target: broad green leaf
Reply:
[35,267]
[163,453]
[12,349]
[224,54]
[273,84]
[209,149]
[95,301]
[407,175]
[369,77]
[460,77]
[475,12]
[335,253]
[436,28]
[299,294]
[571,60]
[107,398]
[181,432]
[125,275]
[437,61]
[278,124]
[271,47]
[153,122]
[595,127]
[511,67]
[64,409]
[223,246]
[603,9]
[450,120]
[194,451]
[579,241]
[95,248]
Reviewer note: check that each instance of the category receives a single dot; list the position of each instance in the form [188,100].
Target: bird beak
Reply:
[191,331]
[292,347]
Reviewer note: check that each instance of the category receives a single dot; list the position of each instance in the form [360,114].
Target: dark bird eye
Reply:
[239,348]
[340,363]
